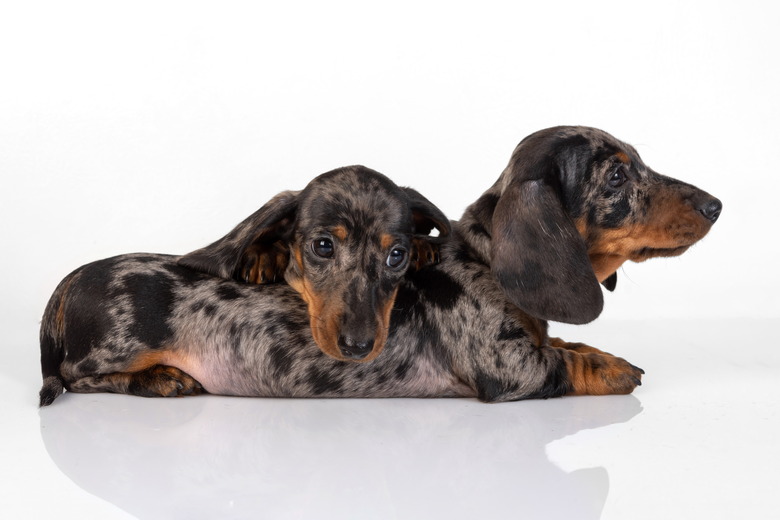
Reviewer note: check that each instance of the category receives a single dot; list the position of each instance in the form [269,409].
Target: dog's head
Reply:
[344,243]
[573,204]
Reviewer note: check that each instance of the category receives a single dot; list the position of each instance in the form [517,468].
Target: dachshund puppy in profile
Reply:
[573,204]
[132,323]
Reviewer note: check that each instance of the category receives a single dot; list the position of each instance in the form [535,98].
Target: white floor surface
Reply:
[700,439]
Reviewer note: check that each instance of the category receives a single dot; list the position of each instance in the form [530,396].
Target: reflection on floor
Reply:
[213,456]
[698,439]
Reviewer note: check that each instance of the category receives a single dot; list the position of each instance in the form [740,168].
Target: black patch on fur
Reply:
[281,359]
[371,271]
[407,306]
[401,370]
[604,153]
[479,229]
[152,302]
[322,382]
[618,213]
[290,325]
[227,292]
[386,286]
[88,366]
[87,329]
[570,142]
[237,341]
[556,383]
[185,275]
[490,388]
[573,171]
[511,332]
[463,254]
[441,290]
[593,215]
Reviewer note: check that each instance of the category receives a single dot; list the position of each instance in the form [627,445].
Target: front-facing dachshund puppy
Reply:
[573,204]
[122,324]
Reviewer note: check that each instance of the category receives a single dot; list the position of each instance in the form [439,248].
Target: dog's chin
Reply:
[647,253]
[369,357]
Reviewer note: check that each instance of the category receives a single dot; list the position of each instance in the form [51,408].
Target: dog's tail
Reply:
[52,344]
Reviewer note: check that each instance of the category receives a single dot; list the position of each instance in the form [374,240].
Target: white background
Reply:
[157,126]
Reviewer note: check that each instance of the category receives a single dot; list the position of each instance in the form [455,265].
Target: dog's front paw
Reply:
[264,263]
[424,253]
[601,374]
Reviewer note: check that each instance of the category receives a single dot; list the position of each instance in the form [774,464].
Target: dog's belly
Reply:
[221,373]
[429,380]
[213,375]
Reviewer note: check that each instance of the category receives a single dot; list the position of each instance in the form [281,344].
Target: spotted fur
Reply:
[533,248]
[352,233]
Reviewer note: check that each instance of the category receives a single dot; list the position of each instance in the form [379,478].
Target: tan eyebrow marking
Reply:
[340,232]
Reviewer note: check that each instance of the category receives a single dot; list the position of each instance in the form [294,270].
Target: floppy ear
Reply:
[539,258]
[425,218]
[249,241]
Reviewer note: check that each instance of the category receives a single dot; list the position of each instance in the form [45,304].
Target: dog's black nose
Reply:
[353,349]
[710,208]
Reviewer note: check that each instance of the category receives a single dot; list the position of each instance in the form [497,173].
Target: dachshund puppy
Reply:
[120,324]
[573,204]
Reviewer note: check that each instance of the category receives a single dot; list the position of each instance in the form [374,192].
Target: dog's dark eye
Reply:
[617,179]
[396,258]
[323,247]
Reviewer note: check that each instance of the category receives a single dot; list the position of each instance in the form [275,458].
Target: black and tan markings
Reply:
[572,205]
[352,234]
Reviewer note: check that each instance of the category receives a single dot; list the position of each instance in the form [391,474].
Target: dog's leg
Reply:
[510,370]
[155,381]
[581,348]
[597,373]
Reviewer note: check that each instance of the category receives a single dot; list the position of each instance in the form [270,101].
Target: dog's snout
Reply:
[355,349]
[710,208]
